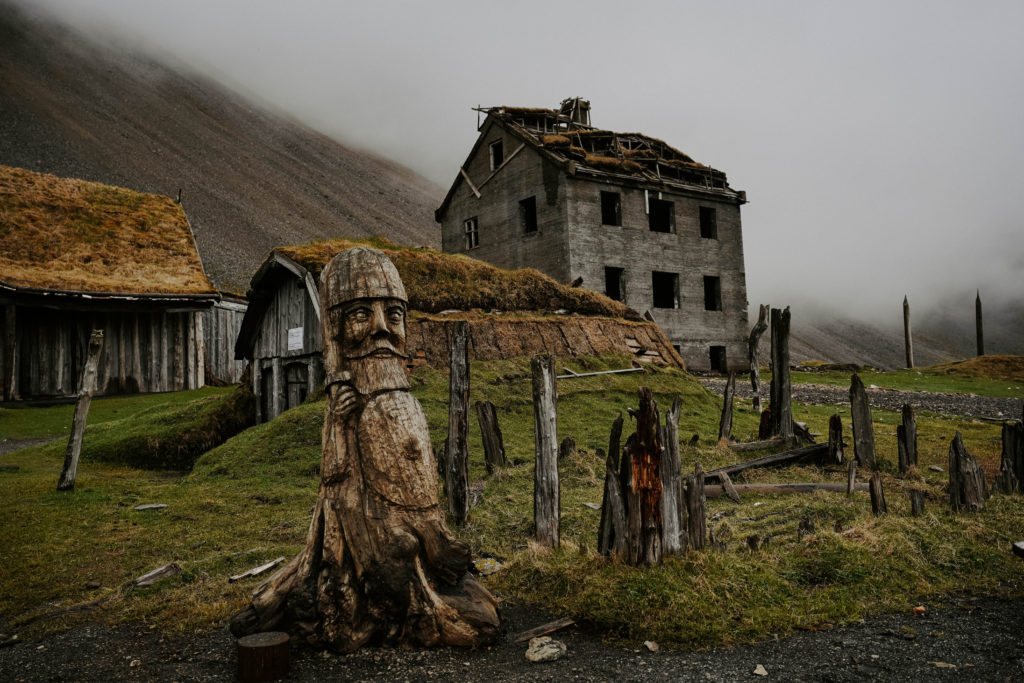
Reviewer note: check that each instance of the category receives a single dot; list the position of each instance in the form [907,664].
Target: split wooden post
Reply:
[546,494]
[835,439]
[908,340]
[263,657]
[851,477]
[1011,465]
[673,507]
[906,440]
[611,533]
[978,324]
[725,423]
[752,355]
[878,507]
[456,457]
[782,413]
[863,429]
[967,489]
[490,432]
[643,495]
[916,502]
[697,523]
[86,388]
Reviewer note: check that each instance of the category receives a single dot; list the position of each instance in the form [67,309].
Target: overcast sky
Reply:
[880,143]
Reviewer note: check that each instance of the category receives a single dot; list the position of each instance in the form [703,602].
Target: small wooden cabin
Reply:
[77,256]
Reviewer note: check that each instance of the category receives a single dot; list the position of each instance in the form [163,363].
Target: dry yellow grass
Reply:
[1001,367]
[73,235]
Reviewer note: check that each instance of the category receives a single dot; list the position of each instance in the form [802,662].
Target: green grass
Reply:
[923,379]
[249,501]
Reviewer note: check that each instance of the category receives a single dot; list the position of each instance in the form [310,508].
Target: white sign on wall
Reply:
[295,339]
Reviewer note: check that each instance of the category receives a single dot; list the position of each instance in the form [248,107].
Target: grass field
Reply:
[249,500]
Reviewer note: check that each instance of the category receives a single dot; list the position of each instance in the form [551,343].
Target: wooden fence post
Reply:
[978,324]
[967,489]
[863,430]
[86,388]
[697,523]
[916,502]
[908,340]
[752,355]
[725,423]
[643,496]
[851,477]
[782,413]
[1011,465]
[457,455]
[673,506]
[835,439]
[612,530]
[878,507]
[546,494]
[906,440]
[490,431]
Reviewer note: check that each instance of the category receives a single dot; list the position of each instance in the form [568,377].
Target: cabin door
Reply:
[296,378]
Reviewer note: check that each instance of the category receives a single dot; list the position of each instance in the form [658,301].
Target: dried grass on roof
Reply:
[73,235]
[436,281]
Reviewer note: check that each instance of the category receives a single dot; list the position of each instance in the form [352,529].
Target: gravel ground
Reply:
[978,640]
[966,405]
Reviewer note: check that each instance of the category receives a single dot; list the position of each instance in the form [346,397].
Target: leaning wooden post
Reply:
[611,533]
[752,355]
[978,324]
[697,524]
[835,440]
[878,507]
[1011,463]
[673,506]
[490,432]
[86,388]
[906,440]
[967,488]
[908,340]
[725,423]
[782,414]
[545,431]
[863,429]
[456,459]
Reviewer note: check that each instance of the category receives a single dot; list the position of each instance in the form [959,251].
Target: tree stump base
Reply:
[263,656]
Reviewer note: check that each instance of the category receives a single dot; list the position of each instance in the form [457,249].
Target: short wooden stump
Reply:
[263,656]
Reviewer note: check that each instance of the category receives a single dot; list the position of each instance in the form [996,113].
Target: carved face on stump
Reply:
[364,321]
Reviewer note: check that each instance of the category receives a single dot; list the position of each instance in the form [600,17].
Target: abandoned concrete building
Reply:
[629,215]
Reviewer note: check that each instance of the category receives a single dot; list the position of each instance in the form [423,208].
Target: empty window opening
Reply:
[718,363]
[611,208]
[665,287]
[709,222]
[528,214]
[472,234]
[497,154]
[661,215]
[614,283]
[712,293]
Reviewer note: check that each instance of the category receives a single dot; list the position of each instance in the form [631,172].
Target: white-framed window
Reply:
[472,233]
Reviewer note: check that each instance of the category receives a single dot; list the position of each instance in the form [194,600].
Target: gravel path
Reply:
[965,405]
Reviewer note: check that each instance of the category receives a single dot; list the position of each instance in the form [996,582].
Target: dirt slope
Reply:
[250,179]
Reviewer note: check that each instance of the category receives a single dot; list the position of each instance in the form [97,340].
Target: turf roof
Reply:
[67,235]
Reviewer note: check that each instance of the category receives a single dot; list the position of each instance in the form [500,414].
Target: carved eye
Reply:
[395,314]
[360,315]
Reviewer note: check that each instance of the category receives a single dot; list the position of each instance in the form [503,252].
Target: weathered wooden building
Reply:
[77,256]
[221,324]
[630,215]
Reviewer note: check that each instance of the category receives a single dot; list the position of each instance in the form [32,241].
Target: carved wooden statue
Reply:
[380,565]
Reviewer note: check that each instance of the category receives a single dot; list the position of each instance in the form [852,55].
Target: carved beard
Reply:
[375,373]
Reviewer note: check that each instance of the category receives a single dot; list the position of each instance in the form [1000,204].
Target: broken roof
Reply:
[67,236]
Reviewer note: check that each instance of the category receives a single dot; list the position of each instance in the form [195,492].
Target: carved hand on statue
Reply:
[342,397]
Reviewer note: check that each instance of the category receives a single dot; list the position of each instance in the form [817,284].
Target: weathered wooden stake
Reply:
[728,487]
[263,657]
[546,493]
[494,445]
[967,489]
[851,477]
[725,423]
[566,448]
[878,507]
[697,523]
[643,496]
[906,440]
[752,354]
[907,338]
[835,439]
[673,507]
[457,455]
[916,502]
[1011,465]
[86,388]
[979,325]
[863,429]
[611,534]
[782,413]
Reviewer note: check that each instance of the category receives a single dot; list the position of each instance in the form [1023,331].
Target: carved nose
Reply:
[380,323]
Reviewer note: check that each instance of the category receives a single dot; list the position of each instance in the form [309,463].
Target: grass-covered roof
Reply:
[67,235]
[435,281]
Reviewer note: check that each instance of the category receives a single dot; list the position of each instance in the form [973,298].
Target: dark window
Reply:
[611,208]
[528,214]
[665,287]
[472,233]
[497,154]
[709,222]
[718,363]
[712,293]
[614,284]
[661,215]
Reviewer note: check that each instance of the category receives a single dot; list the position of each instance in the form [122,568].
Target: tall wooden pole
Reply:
[86,387]
[781,412]
[546,496]
[863,429]
[456,458]
[908,339]
[977,322]
[752,355]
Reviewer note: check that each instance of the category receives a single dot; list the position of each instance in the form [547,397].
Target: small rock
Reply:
[487,566]
[545,649]
[135,663]
[759,670]
[150,506]
[592,506]
[935,468]
[943,665]
[651,645]
[920,611]
[93,585]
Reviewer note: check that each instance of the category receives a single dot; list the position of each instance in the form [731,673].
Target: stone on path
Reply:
[545,649]
[759,670]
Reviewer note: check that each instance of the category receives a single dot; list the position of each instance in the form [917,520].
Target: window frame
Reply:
[655,288]
[528,215]
[713,297]
[671,217]
[709,225]
[615,210]
[471,233]
[498,159]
